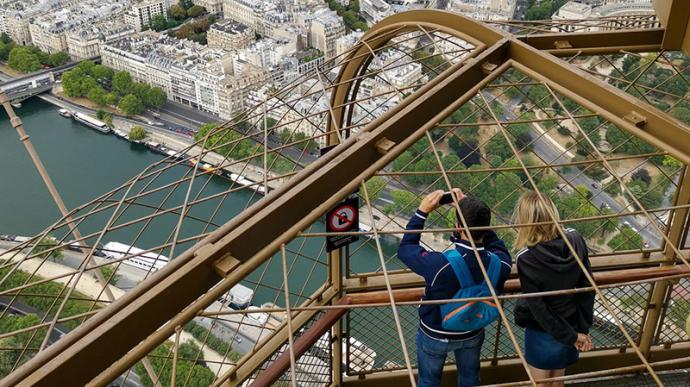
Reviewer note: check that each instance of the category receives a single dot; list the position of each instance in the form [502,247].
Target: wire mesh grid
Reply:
[612,187]
[676,310]
[379,351]
[313,368]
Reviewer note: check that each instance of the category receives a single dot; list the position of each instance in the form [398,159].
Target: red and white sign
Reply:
[342,218]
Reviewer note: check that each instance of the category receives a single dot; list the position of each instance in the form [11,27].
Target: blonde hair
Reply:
[535,208]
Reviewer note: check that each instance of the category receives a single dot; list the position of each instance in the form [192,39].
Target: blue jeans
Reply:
[431,356]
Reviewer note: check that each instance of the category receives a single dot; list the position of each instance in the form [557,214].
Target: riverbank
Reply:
[174,141]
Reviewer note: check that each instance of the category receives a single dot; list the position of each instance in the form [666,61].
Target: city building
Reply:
[140,15]
[484,9]
[326,28]
[15,16]
[230,35]
[626,14]
[248,12]
[49,29]
[374,11]
[85,42]
[189,73]
[212,6]
[346,42]
[573,11]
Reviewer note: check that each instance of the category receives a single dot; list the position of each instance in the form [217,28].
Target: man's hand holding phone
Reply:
[438,198]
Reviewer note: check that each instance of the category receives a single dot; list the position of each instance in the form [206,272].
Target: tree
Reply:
[122,83]
[24,60]
[101,72]
[5,49]
[137,133]
[187,352]
[100,114]
[45,244]
[642,174]
[130,104]
[58,59]
[71,83]
[97,95]
[155,98]
[195,11]
[141,90]
[177,12]
[672,163]
[682,113]
[402,201]
[108,273]
[32,338]
[111,98]
[86,67]
[626,239]
[108,119]
[375,187]
[158,23]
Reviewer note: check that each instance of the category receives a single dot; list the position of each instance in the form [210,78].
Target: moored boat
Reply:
[91,122]
[65,113]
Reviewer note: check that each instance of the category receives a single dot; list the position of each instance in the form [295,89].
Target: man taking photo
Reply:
[456,327]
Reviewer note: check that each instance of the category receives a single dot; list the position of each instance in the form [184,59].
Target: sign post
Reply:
[342,218]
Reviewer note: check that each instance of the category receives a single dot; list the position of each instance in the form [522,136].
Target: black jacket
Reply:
[551,266]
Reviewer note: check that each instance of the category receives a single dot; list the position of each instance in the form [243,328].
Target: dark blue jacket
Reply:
[441,282]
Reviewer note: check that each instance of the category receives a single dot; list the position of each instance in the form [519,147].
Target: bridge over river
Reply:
[27,86]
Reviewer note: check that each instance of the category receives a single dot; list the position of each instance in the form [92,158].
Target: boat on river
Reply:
[91,122]
[65,113]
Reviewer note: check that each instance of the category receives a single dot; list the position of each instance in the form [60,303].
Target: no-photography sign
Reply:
[342,218]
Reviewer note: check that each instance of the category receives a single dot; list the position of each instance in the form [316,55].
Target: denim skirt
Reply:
[544,352]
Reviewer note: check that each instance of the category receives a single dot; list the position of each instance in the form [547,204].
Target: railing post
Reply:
[676,233]
[336,279]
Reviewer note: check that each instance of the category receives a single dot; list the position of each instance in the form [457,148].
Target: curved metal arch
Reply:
[357,63]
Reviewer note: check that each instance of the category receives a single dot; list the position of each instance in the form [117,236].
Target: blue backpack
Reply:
[470,315]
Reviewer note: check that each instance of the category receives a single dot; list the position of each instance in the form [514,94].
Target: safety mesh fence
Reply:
[676,310]
[312,369]
[373,347]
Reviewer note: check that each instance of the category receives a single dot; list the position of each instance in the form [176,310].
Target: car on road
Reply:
[238,339]
[595,185]
[646,245]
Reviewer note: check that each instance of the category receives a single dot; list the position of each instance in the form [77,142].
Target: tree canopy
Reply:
[131,105]
[24,60]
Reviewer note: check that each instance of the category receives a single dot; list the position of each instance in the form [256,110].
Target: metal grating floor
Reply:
[679,378]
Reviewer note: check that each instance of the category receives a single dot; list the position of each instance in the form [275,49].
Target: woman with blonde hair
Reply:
[556,327]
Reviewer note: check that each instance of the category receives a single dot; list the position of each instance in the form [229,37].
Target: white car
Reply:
[238,339]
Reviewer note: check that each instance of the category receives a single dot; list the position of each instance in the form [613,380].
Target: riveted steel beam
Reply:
[596,43]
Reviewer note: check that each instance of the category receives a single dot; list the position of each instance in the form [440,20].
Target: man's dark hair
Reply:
[476,214]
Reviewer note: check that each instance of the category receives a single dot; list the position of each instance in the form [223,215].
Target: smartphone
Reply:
[447,198]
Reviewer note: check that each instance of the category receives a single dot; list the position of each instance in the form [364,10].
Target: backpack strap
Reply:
[494,269]
[462,272]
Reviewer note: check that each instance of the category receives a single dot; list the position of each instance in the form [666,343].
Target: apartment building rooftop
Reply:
[166,51]
[76,14]
[229,26]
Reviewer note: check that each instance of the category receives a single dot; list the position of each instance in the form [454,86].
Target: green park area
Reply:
[106,87]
